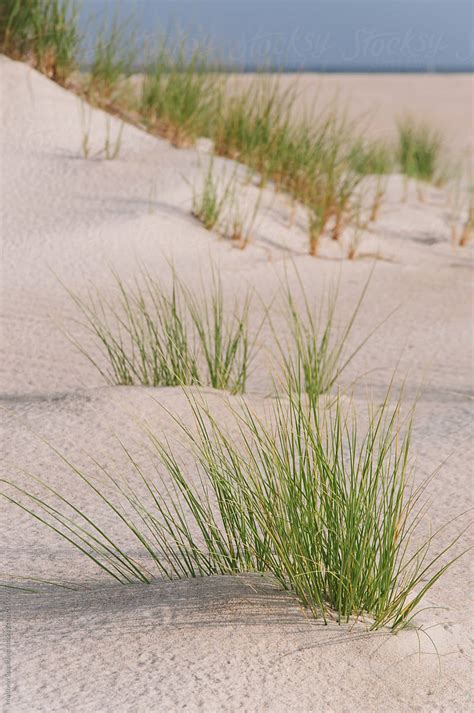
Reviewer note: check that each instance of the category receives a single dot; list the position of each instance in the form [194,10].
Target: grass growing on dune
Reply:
[168,337]
[110,63]
[316,354]
[223,340]
[325,505]
[319,160]
[210,202]
[43,32]
[419,150]
[309,159]
[181,95]
[371,157]
[254,126]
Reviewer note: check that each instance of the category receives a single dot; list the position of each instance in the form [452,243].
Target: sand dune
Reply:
[223,643]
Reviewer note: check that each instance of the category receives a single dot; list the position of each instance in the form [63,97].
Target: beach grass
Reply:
[213,198]
[45,32]
[319,159]
[154,335]
[419,150]
[372,157]
[157,336]
[112,141]
[324,504]
[317,351]
[185,94]
[111,64]
[181,95]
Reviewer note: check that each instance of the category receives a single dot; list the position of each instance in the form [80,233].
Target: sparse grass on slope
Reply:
[211,200]
[322,503]
[183,97]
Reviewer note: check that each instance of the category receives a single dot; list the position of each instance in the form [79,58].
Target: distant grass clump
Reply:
[181,95]
[210,201]
[309,159]
[242,221]
[168,337]
[110,64]
[321,503]
[377,160]
[419,150]
[254,126]
[371,157]
[43,32]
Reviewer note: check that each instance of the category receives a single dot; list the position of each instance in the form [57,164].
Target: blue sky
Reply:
[305,34]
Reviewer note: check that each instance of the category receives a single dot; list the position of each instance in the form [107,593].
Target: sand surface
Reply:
[223,643]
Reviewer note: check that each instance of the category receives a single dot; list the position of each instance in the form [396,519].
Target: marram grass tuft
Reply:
[311,496]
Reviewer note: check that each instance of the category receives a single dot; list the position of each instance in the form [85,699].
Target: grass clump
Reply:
[223,340]
[242,215]
[321,503]
[375,159]
[419,149]
[371,157]
[253,127]
[168,337]
[316,354]
[181,94]
[110,64]
[318,201]
[317,219]
[209,203]
[306,158]
[43,32]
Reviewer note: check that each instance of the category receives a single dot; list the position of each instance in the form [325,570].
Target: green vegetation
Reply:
[240,228]
[110,64]
[160,337]
[181,95]
[324,505]
[310,496]
[254,127]
[210,202]
[317,354]
[371,158]
[170,337]
[43,32]
[112,144]
[319,161]
[419,148]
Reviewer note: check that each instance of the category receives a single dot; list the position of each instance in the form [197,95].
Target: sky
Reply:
[349,35]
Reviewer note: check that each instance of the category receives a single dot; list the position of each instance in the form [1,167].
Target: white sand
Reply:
[219,644]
